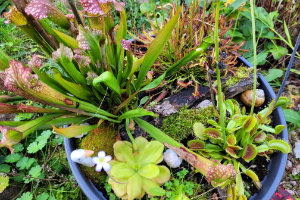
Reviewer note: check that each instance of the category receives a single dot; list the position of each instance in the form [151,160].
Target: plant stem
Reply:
[220,95]
[254,55]
[284,80]
[75,12]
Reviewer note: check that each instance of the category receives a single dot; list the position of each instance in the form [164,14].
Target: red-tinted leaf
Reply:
[231,140]
[250,123]
[250,152]
[10,137]
[212,133]
[260,137]
[196,145]
[231,152]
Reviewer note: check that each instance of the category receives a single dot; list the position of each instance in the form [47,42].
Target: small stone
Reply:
[296,171]
[172,159]
[289,165]
[293,132]
[294,183]
[297,149]
[292,192]
[204,104]
[247,96]
[165,108]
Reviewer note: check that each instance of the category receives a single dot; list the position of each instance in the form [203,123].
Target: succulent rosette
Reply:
[135,170]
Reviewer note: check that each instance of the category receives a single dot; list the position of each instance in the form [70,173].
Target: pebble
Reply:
[292,192]
[289,165]
[165,109]
[204,104]
[297,149]
[296,170]
[294,183]
[293,133]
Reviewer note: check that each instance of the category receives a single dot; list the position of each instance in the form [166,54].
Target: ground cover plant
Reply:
[105,90]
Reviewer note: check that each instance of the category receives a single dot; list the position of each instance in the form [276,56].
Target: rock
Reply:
[289,165]
[292,192]
[186,97]
[183,98]
[243,85]
[294,183]
[297,149]
[246,97]
[293,133]
[172,159]
[164,109]
[204,104]
[296,170]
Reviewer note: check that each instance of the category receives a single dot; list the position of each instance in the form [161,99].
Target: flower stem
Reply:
[254,55]
[220,95]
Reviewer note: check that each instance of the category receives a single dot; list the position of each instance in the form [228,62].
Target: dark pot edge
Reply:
[269,183]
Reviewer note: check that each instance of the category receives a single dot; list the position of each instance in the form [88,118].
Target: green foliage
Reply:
[4,182]
[25,163]
[12,158]
[35,172]
[109,190]
[292,116]
[26,196]
[264,22]
[182,188]
[180,125]
[56,184]
[40,142]
[274,74]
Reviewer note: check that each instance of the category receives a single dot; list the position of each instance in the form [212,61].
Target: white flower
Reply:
[102,161]
[172,159]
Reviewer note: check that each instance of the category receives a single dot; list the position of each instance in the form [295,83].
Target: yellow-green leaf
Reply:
[73,130]
[4,182]
[280,145]
[109,80]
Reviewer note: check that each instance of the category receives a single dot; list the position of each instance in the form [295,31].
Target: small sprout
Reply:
[102,162]
[82,156]
[172,159]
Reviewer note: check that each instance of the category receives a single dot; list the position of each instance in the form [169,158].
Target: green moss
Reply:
[180,125]
[100,139]
[240,73]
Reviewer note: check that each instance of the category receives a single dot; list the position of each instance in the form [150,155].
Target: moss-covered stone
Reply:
[180,125]
[100,139]
[240,73]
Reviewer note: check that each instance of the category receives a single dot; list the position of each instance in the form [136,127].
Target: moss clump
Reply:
[240,73]
[180,125]
[100,139]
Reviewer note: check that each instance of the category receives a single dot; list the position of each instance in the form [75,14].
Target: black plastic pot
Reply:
[270,183]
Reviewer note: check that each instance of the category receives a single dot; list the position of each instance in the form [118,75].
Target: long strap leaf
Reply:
[156,47]
[156,133]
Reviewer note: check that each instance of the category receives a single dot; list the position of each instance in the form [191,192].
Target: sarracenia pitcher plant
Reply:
[95,74]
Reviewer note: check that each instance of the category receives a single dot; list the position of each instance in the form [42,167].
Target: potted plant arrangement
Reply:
[95,84]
